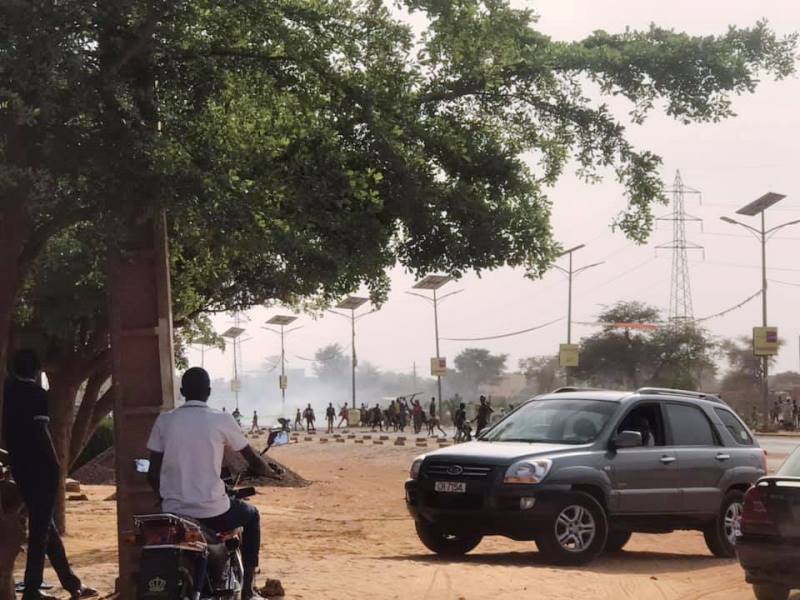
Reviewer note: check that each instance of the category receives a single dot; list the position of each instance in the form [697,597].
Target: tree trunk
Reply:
[63,391]
[81,428]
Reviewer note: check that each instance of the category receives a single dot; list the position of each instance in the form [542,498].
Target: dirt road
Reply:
[348,536]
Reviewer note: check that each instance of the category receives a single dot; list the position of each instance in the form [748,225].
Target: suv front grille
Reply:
[457,471]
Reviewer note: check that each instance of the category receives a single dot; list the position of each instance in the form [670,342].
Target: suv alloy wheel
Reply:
[721,533]
[578,532]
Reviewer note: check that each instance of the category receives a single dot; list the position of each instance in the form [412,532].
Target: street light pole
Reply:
[353,351]
[282,321]
[433,283]
[571,272]
[436,330]
[352,303]
[759,207]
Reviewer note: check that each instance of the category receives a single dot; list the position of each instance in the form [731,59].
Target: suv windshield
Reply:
[554,422]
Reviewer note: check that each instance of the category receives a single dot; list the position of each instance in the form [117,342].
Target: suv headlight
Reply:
[415,467]
[528,471]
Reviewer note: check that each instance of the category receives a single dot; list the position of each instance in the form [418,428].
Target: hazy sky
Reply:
[732,163]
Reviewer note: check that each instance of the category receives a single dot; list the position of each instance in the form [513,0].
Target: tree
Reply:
[477,366]
[541,371]
[331,365]
[636,348]
[744,368]
[332,131]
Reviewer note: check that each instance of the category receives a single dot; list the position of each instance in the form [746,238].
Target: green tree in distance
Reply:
[620,357]
[477,366]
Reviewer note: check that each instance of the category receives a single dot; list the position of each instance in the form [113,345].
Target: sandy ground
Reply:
[349,536]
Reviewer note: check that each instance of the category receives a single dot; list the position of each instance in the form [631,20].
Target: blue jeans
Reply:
[241,514]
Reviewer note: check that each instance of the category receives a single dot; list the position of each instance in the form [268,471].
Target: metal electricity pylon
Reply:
[680,295]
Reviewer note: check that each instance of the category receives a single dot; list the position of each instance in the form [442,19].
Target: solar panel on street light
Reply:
[352,302]
[432,282]
[233,332]
[761,204]
[573,249]
[281,320]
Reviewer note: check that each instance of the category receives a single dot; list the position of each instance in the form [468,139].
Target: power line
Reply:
[792,283]
[505,335]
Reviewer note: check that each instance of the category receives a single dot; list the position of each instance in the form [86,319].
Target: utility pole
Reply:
[571,273]
[759,207]
[233,334]
[414,374]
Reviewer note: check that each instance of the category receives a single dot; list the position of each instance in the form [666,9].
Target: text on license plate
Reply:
[452,487]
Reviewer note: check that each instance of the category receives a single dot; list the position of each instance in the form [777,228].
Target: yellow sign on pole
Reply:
[438,367]
[283,381]
[568,355]
[765,341]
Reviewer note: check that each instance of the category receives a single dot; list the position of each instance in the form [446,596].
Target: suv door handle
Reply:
[667,459]
[723,456]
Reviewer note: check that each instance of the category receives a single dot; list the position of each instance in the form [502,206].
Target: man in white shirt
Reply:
[186,450]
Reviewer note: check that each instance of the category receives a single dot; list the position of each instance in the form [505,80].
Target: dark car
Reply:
[579,471]
[769,544]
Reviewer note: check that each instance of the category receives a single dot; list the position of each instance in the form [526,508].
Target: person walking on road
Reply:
[344,416]
[298,420]
[35,467]
[460,421]
[254,428]
[330,415]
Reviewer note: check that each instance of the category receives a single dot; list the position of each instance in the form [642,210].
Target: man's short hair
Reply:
[196,384]
[26,364]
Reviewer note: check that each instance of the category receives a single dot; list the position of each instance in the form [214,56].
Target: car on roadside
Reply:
[578,471]
[768,546]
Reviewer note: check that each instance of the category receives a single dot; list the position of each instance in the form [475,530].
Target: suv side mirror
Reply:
[628,439]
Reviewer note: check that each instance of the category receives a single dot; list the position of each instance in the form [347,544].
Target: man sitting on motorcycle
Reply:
[186,451]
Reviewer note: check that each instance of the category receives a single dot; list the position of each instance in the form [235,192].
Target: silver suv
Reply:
[579,470]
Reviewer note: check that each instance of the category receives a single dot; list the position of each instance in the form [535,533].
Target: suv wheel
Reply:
[721,533]
[578,531]
[617,538]
[447,544]
[770,592]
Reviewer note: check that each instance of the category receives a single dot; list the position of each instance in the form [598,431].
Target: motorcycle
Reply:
[183,560]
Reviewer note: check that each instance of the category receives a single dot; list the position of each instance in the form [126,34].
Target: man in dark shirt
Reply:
[35,468]
[484,413]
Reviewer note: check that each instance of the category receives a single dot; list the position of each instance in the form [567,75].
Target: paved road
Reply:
[778,448]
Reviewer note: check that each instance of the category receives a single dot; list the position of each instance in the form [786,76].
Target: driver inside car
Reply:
[186,451]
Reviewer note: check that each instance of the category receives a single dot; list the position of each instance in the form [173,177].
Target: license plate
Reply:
[450,487]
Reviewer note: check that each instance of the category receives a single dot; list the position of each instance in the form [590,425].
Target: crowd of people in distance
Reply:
[401,413]
[785,413]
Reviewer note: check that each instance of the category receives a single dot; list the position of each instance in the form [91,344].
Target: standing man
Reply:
[460,420]
[484,413]
[330,415]
[308,413]
[35,468]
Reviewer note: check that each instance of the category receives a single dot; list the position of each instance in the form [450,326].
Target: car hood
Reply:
[503,451]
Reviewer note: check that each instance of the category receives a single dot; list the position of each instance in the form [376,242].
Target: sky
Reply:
[731,163]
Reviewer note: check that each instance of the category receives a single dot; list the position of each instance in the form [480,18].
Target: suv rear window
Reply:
[690,426]
[734,426]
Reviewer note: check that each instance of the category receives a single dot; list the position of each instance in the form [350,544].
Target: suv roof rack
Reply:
[569,388]
[675,392]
